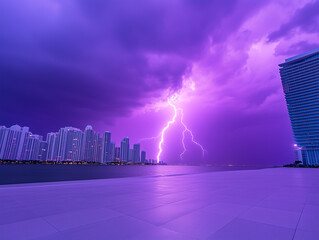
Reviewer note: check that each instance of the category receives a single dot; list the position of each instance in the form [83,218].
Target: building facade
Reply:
[125,149]
[31,147]
[42,155]
[51,140]
[106,147]
[143,156]
[137,154]
[91,145]
[300,80]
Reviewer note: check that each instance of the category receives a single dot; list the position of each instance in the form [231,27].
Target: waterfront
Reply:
[32,173]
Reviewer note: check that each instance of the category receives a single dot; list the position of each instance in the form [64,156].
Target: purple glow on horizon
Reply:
[113,64]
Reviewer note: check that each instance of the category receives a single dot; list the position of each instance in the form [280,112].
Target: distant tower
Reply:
[42,155]
[131,155]
[31,147]
[3,139]
[52,145]
[74,145]
[90,145]
[137,148]
[125,146]
[106,147]
[143,156]
[12,142]
[112,152]
[117,154]
[68,144]
[300,81]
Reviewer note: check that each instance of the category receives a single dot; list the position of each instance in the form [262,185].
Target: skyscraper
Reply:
[136,148]
[125,147]
[131,155]
[117,154]
[42,155]
[31,146]
[12,142]
[3,139]
[67,144]
[51,140]
[143,156]
[90,144]
[300,80]
[112,152]
[99,149]
[73,149]
[106,147]
[60,144]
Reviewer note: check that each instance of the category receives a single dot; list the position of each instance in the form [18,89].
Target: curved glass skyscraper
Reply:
[300,80]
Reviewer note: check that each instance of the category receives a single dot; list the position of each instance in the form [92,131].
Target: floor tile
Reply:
[26,229]
[249,230]
[199,224]
[80,218]
[306,235]
[272,216]
[254,204]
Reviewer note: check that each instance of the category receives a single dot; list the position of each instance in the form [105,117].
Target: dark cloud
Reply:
[71,62]
[295,48]
[306,19]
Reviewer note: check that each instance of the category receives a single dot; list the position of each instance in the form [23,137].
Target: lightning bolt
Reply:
[186,130]
[165,129]
[149,138]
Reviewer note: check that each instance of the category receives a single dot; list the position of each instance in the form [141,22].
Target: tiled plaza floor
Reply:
[267,204]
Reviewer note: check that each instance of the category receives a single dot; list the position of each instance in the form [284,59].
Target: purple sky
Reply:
[112,64]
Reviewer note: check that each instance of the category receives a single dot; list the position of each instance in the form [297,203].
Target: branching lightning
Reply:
[172,100]
[165,129]
[149,138]
[186,129]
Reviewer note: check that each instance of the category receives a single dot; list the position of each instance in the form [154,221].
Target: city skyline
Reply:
[67,144]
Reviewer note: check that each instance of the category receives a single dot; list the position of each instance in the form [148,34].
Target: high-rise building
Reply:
[73,149]
[3,139]
[137,157]
[112,152]
[99,149]
[300,80]
[52,146]
[67,145]
[143,156]
[31,146]
[131,155]
[12,142]
[106,147]
[117,154]
[24,134]
[91,141]
[125,146]
[42,155]
[60,146]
